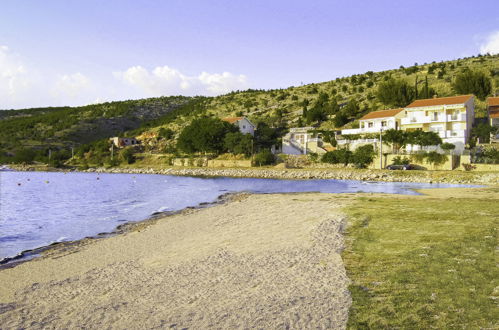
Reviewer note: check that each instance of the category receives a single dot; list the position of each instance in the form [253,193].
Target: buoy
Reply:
[46,182]
[98,178]
[18,183]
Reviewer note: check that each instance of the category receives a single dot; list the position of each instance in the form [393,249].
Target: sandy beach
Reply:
[265,261]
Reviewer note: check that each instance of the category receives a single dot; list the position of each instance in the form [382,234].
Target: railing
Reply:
[460,117]
[422,120]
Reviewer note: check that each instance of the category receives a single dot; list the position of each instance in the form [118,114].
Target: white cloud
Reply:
[14,76]
[73,85]
[23,84]
[169,81]
[491,44]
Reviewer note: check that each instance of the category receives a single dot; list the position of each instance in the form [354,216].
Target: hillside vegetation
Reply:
[327,105]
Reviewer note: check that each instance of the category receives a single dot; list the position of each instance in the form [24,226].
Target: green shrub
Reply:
[363,156]
[435,158]
[447,146]
[340,156]
[126,155]
[401,161]
[264,158]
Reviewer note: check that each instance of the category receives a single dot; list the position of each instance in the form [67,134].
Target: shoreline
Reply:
[232,264]
[127,227]
[452,177]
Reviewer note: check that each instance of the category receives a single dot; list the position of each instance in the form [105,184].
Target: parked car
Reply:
[400,167]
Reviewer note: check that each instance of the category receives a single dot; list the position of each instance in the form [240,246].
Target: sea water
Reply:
[40,208]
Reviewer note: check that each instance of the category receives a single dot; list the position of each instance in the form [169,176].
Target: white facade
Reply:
[299,141]
[374,125]
[245,126]
[452,122]
[123,142]
[243,123]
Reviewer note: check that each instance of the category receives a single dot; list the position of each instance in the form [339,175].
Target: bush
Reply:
[126,155]
[435,158]
[166,133]
[473,82]
[340,156]
[401,161]
[263,158]
[448,146]
[363,156]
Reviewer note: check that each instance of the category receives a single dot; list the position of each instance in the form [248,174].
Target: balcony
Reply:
[460,117]
[455,134]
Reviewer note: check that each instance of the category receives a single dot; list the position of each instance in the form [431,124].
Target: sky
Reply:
[68,52]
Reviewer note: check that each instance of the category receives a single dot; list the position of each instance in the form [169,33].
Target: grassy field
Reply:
[424,262]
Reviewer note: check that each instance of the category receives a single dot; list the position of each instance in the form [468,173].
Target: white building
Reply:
[373,122]
[303,140]
[243,123]
[123,142]
[376,121]
[493,114]
[450,117]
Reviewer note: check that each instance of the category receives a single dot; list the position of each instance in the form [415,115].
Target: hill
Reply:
[318,104]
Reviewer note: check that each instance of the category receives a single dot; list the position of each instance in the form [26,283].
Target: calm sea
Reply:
[40,208]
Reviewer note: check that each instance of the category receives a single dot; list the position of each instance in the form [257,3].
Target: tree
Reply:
[396,138]
[166,133]
[316,114]
[482,132]
[473,82]
[205,134]
[239,143]
[126,155]
[340,119]
[263,158]
[265,136]
[448,146]
[339,156]
[395,93]
[423,139]
[352,108]
[363,156]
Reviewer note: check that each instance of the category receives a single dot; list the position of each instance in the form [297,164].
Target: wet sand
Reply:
[266,261]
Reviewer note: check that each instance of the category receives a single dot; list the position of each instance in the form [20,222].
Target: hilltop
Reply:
[317,104]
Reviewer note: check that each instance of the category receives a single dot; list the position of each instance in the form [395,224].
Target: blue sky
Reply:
[68,52]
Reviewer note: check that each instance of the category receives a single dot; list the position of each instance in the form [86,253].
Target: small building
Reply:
[302,141]
[243,123]
[450,117]
[376,121]
[493,115]
[371,123]
[122,142]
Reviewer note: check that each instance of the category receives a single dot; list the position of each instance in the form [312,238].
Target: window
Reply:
[370,124]
[435,116]
[383,124]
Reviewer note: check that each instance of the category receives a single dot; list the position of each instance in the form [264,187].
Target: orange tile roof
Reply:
[381,114]
[232,120]
[493,101]
[494,114]
[440,101]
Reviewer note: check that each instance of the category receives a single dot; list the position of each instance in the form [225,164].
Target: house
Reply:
[493,114]
[123,142]
[450,117]
[373,122]
[243,123]
[376,121]
[302,141]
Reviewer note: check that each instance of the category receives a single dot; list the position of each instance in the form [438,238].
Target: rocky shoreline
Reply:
[453,177]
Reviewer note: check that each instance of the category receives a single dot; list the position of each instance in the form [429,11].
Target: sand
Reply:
[264,261]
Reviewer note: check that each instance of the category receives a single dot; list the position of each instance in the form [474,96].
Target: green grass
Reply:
[423,263]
